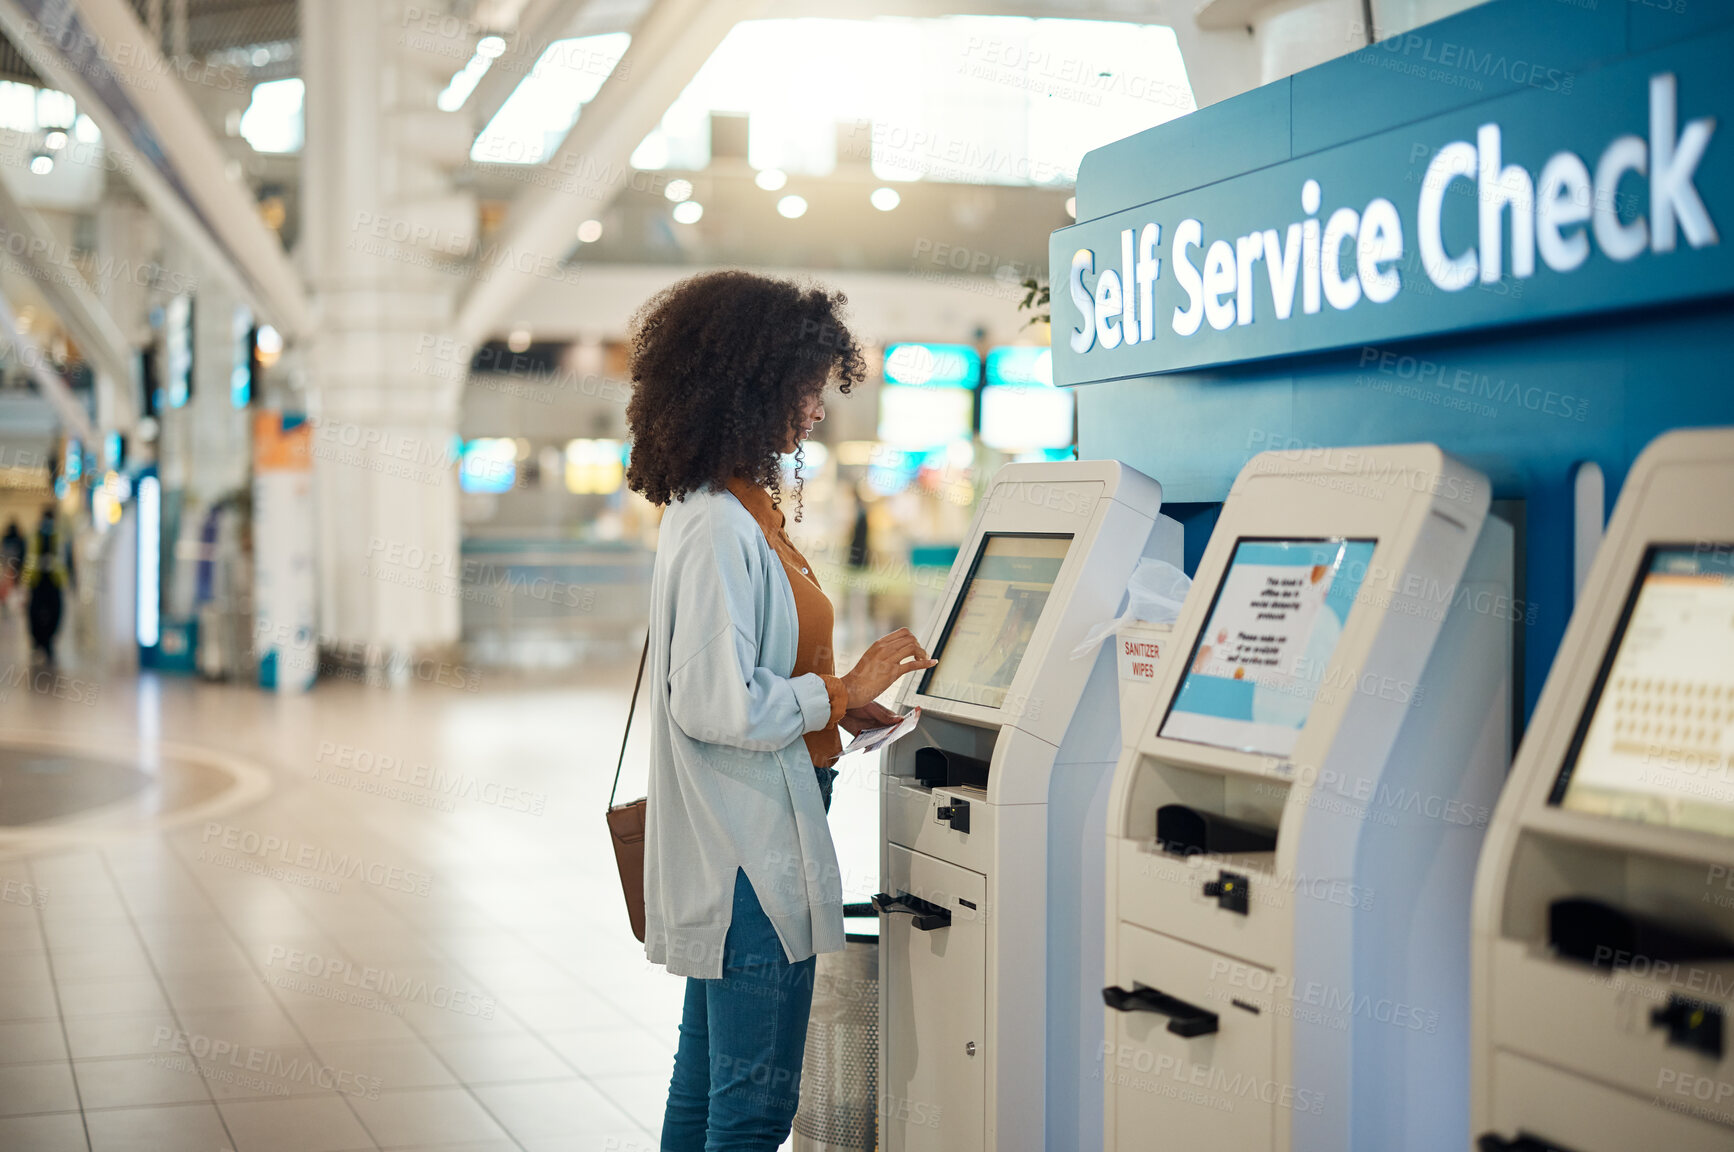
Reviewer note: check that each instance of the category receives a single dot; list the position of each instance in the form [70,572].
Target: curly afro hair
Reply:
[720,364]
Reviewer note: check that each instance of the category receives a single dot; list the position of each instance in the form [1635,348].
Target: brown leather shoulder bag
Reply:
[626,822]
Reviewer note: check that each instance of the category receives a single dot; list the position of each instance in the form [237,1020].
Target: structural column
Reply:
[1293,37]
[384,248]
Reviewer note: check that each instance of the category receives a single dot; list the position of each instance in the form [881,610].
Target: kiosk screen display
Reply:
[996,615]
[1656,743]
[1272,628]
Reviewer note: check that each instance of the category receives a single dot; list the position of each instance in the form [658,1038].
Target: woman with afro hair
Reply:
[741,884]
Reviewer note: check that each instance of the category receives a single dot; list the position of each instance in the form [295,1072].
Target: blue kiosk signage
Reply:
[1521,208]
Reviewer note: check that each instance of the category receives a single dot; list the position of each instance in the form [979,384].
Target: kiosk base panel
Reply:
[1209,1093]
[1582,1115]
[936,982]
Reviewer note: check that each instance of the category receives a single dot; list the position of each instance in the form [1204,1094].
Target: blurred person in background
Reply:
[47,575]
[13,549]
[860,534]
[741,883]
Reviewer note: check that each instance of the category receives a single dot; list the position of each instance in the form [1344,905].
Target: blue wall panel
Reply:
[1652,23]
[1482,53]
[1251,131]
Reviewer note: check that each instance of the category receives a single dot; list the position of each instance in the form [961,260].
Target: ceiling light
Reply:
[519,340]
[688,212]
[771,179]
[42,164]
[885,199]
[678,190]
[792,206]
[590,231]
[55,140]
[465,79]
[1072,207]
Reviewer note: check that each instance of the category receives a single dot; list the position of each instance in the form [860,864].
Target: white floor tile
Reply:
[180,1128]
[29,1088]
[31,1042]
[560,1109]
[426,1116]
[625,1052]
[59,1133]
[501,1059]
[124,1035]
[395,1064]
[31,999]
[305,1124]
[136,1081]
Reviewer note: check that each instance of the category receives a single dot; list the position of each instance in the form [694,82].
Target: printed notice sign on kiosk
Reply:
[1270,634]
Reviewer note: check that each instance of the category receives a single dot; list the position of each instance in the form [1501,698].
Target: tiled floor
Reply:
[366,959]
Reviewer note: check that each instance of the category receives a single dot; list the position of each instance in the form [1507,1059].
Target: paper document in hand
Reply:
[879,737]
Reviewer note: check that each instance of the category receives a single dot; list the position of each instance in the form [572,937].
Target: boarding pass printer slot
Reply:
[938,768]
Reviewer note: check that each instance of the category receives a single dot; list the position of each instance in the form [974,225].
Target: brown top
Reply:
[813,613]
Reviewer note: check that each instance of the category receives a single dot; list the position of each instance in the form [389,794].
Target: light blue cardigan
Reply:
[731,782]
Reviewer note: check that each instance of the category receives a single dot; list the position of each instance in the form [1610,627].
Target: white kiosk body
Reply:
[974,857]
[1292,837]
[1604,906]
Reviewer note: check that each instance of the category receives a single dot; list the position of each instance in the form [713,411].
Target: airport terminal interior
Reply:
[1294,434]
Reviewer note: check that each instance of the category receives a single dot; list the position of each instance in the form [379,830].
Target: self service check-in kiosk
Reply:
[1604,907]
[1292,839]
[992,811]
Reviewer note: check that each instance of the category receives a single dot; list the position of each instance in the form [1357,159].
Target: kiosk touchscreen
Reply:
[1604,907]
[992,816]
[1003,596]
[1292,835]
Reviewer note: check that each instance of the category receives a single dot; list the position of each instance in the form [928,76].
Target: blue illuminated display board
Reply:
[489,465]
[932,365]
[1020,366]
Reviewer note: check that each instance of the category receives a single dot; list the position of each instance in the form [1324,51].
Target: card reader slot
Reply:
[1602,935]
[1184,1019]
[924,915]
[1183,830]
[939,768]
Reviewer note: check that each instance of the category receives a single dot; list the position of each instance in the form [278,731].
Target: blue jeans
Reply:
[737,1073]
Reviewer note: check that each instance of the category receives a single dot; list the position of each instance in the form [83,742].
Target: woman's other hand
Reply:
[870,715]
[880,666]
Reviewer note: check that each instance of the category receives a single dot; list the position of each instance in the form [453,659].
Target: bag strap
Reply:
[632,708]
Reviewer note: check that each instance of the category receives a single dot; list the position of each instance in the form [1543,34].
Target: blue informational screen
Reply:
[932,365]
[489,465]
[1020,366]
[1272,629]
